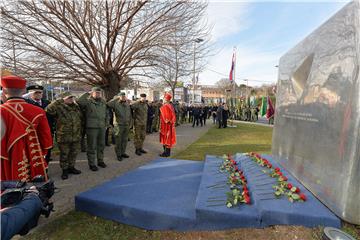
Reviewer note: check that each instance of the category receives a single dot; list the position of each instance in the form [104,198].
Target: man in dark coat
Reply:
[219,115]
[196,112]
[35,97]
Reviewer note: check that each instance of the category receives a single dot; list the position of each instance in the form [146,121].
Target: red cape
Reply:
[167,125]
[25,139]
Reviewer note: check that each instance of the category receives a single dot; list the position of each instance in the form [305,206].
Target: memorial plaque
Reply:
[317,121]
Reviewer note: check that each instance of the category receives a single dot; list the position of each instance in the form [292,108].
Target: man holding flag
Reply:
[267,109]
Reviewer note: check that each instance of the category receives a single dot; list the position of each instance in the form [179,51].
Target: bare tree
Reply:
[225,84]
[93,42]
[187,45]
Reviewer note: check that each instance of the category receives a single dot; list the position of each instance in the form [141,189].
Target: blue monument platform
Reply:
[280,211]
[170,194]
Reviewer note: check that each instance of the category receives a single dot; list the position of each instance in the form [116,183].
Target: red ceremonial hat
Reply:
[167,96]
[13,82]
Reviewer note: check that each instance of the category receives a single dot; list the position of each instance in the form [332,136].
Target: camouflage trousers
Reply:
[139,135]
[68,153]
[156,123]
[177,119]
[121,139]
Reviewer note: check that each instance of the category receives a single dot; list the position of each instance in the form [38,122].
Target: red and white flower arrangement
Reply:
[283,187]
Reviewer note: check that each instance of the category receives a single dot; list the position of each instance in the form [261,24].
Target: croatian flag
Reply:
[231,75]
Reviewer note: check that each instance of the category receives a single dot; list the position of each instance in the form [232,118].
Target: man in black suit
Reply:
[35,97]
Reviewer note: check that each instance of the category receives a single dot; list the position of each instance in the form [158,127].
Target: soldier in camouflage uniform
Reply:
[177,112]
[96,118]
[182,113]
[140,110]
[123,117]
[155,123]
[68,119]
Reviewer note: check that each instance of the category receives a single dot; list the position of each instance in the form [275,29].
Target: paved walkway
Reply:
[64,199]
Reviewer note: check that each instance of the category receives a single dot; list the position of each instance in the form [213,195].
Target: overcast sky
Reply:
[261,32]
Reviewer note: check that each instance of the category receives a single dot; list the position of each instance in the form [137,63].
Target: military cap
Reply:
[67,94]
[13,82]
[121,94]
[143,95]
[96,89]
[35,88]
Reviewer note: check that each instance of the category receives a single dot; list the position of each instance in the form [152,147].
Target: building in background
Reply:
[212,94]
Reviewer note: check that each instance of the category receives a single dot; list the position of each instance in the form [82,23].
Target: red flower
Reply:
[302,196]
[297,190]
[289,186]
[277,169]
[269,165]
[236,169]
[245,188]
[284,178]
[279,173]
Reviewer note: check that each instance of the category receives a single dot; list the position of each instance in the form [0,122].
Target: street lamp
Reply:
[197,40]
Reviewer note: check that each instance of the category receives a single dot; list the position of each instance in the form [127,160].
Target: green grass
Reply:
[243,138]
[79,226]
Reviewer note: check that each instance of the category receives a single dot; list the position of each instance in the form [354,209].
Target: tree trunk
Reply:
[113,87]
[173,93]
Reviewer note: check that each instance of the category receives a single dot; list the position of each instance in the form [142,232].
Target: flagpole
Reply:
[234,88]
[234,92]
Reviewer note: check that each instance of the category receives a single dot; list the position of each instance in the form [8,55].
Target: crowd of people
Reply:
[87,123]
[28,123]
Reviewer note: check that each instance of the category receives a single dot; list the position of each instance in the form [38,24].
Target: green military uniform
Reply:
[139,109]
[177,113]
[96,119]
[182,113]
[156,120]
[123,117]
[68,119]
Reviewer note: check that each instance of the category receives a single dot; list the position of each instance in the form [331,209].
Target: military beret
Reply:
[34,88]
[121,94]
[66,94]
[143,95]
[13,82]
[96,89]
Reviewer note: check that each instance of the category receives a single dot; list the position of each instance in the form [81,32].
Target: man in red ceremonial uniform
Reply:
[25,134]
[167,126]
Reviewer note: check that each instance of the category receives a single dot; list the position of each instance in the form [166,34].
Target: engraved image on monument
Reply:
[317,124]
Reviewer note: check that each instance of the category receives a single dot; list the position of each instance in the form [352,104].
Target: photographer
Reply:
[22,204]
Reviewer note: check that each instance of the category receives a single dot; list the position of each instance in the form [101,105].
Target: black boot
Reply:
[168,150]
[73,170]
[102,164]
[163,154]
[65,174]
[142,150]
[137,152]
[93,168]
